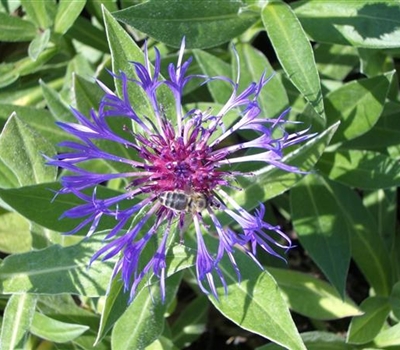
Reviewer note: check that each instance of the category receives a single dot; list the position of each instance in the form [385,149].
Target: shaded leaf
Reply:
[361,169]
[325,238]
[191,323]
[367,247]
[335,61]
[358,105]
[386,132]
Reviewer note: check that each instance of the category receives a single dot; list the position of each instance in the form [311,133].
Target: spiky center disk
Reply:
[181,166]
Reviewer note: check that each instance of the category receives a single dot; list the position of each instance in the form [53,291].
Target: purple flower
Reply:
[178,172]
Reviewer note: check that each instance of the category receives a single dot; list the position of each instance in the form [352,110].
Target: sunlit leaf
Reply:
[203,23]
[294,51]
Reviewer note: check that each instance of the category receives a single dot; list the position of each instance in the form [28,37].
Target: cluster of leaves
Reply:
[344,210]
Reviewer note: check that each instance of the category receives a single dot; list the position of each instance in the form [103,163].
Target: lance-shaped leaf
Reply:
[178,258]
[147,310]
[203,23]
[15,29]
[367,247]
[53,330]
[256,303]
[123,51]
[326,238]
[17,320]
[294,51]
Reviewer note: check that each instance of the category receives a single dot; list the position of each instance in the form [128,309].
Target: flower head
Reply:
[178,172]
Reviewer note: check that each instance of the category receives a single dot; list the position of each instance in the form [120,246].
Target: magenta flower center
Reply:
[180,165]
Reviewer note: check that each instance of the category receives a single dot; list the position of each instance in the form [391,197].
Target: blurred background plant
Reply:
[335,61]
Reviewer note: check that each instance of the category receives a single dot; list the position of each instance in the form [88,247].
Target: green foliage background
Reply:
[336,65]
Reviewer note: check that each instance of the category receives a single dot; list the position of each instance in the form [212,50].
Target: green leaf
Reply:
[123,51]
[311,296]
[317,341]
[271,181]
[10,243]
[335,61]
[203,23]
[325,238]
[23,67]
[58,108]
[87,95]
[178,258]
[358,105]
[272,98]
[38,12]
[48,208]
[395,300]
[53,330]
[386,132]
[21,149]
[367,246]
[147,309]
[388,337]
[382,204]
[15,29]
[375,62]
[364,328]
[361,169]
[85,32]
[369,24]
[16,321]
[191,323]
[293,51]
[39,44]
[67,12]
[213,66]
[256,303]
[57,270]
[38,119]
